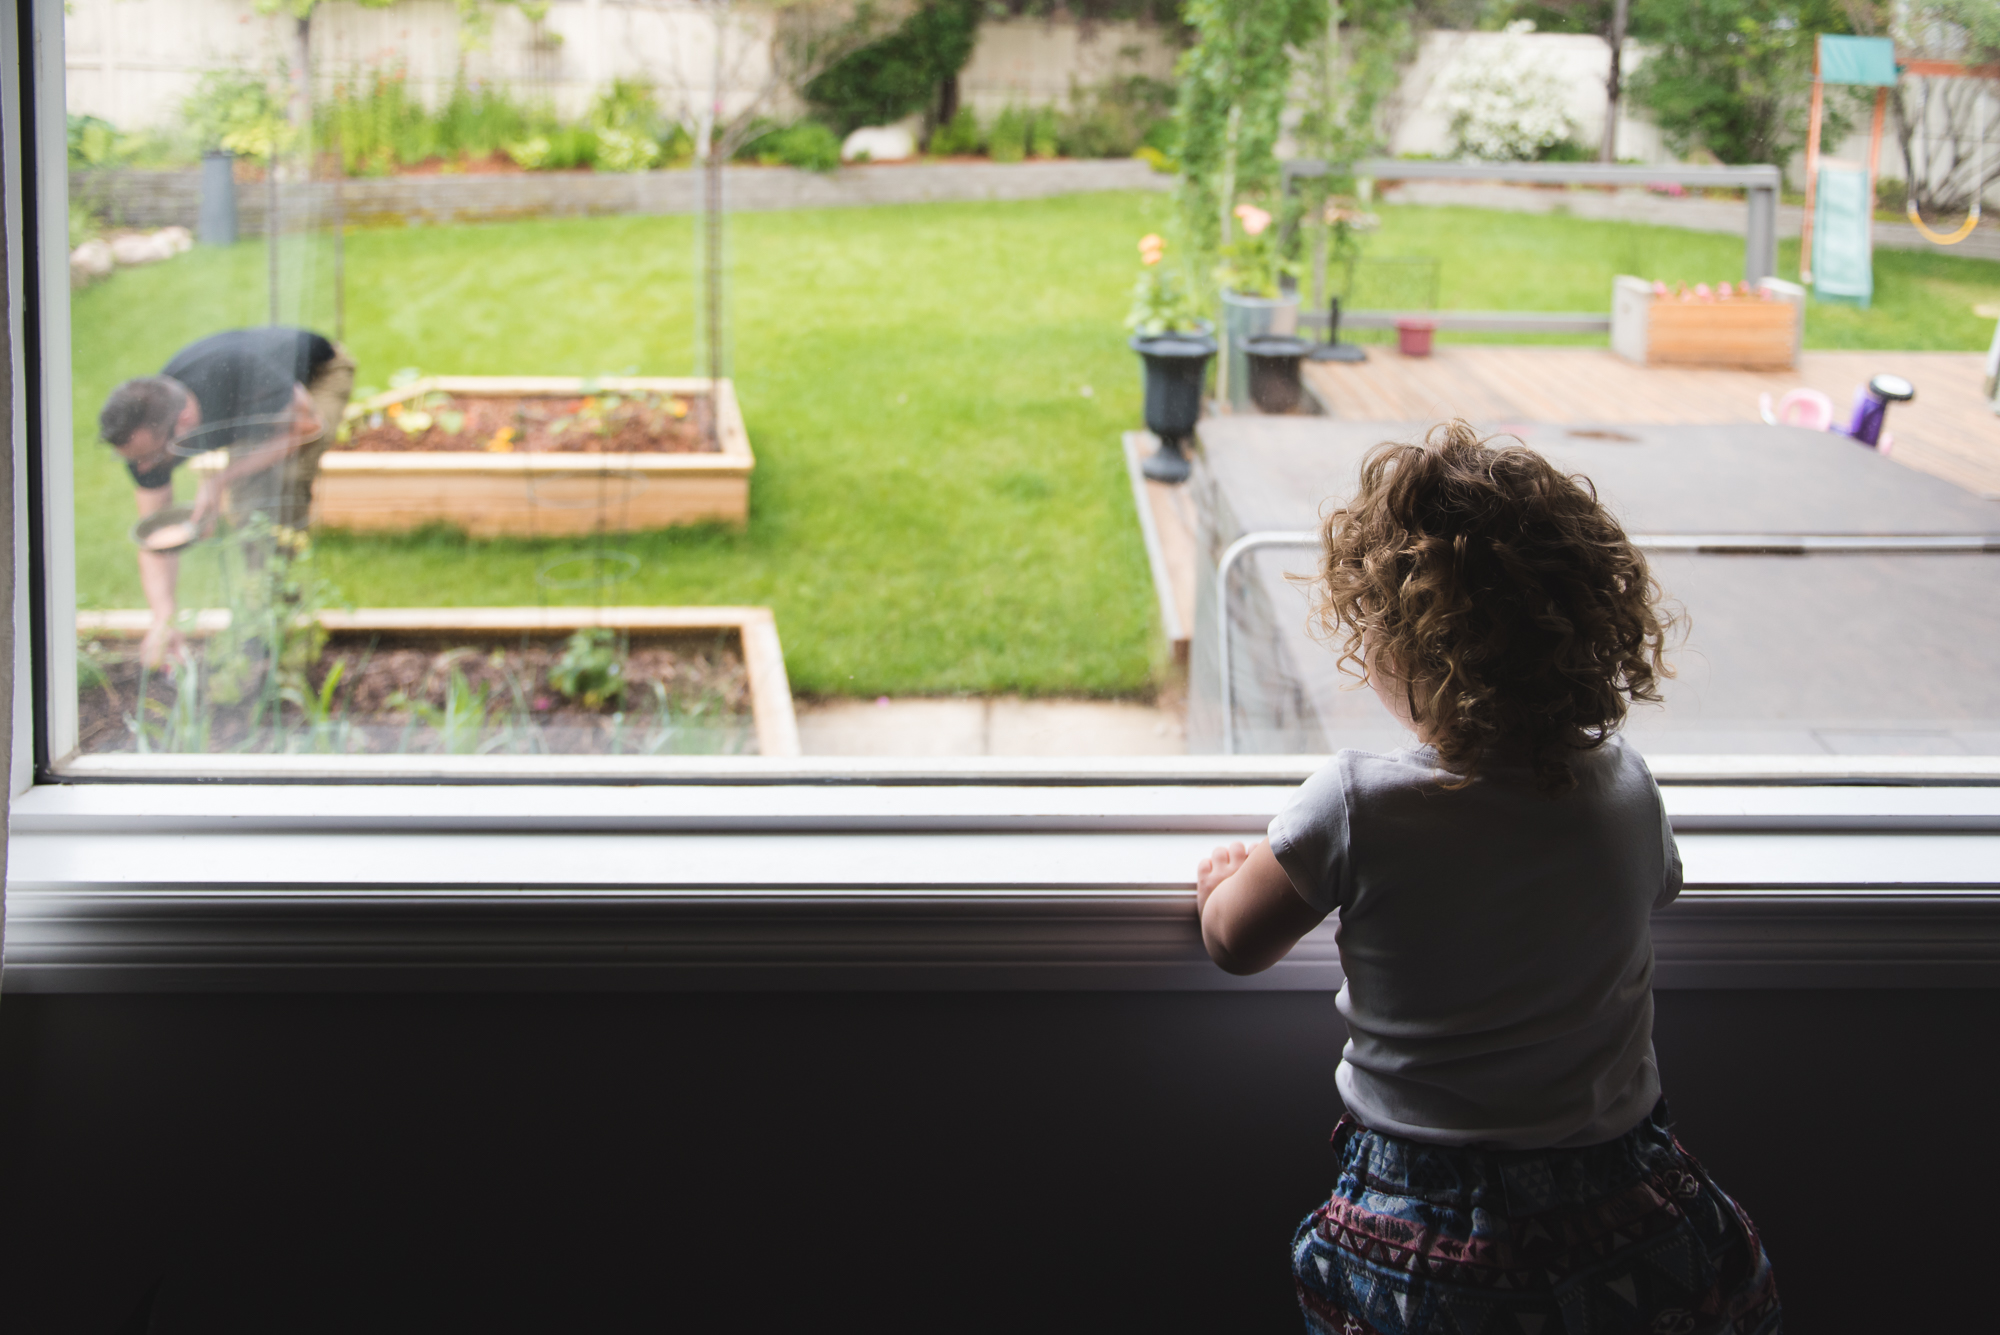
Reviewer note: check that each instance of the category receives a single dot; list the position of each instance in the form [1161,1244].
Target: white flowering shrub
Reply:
[1506,109]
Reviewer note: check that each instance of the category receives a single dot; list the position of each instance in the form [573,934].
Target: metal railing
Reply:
[1760,239]
[1733,544]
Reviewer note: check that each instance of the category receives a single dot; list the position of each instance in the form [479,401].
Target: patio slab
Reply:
[995,726]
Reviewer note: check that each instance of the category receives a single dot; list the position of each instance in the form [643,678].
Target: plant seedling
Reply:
[592,668]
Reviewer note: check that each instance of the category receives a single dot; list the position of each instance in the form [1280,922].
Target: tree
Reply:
[1735,76]
[1233,83]
[903,72]
[1348,70]
[1940,123]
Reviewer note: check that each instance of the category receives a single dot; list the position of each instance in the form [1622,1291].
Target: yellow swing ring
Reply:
[1950,238]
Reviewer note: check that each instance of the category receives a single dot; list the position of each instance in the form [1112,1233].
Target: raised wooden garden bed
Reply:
[1757,333]
[537,455]
[697,680]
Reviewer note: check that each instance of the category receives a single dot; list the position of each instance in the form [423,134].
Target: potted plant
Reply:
[1254,300]
[1174,343]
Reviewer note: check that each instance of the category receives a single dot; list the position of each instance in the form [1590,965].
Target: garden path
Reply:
[991,726]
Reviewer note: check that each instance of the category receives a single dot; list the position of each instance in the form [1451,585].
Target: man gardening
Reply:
[272,397]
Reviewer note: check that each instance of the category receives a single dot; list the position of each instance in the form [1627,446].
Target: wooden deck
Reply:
[1949,430]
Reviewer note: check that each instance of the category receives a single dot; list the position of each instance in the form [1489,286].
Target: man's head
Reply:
[142,419]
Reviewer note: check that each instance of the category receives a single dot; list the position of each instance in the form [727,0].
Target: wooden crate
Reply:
[771,711]
[543,494]
[1748,335]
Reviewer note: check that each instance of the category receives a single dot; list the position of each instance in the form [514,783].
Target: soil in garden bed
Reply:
[642,422]
[443,694]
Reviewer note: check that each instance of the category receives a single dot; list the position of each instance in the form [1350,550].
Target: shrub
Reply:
[238,111]
[1507,109]
[1007,140]
[1567,150]
[807,145]
[1114,118]
[1042,141]
[959,137]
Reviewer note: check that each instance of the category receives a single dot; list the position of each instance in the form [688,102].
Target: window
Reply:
[405,412]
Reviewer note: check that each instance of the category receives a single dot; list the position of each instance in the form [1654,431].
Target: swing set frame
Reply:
[1934,69]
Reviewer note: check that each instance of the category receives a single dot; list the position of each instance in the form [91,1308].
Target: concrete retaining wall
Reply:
[156,199]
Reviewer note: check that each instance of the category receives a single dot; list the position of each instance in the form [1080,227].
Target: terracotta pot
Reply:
[1413,337]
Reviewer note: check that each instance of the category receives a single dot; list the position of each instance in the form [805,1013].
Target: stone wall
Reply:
[156,199]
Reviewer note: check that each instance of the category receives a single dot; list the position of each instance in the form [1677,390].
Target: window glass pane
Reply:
[426,404]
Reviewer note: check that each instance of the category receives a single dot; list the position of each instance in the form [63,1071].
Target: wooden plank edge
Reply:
[771,709]
[135,621]
[1149,533]
[363,462]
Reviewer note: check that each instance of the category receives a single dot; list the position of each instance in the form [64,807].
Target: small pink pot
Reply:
[1413,337]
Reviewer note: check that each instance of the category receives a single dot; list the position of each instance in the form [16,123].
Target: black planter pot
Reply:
[1176,368]
[1274,371]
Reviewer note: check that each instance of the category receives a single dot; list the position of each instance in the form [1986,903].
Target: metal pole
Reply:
[1760,235]
[1812,169]
[271,227]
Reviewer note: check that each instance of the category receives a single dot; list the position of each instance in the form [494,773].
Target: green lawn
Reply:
[1519,261]
[938,504]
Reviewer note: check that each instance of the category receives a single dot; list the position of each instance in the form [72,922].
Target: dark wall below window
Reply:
[940,1162]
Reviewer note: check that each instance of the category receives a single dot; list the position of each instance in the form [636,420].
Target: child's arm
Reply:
[1250,915]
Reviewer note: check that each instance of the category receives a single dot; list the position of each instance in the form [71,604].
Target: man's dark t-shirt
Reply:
[243,380]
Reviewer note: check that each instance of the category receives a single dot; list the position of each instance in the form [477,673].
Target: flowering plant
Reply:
[1251,264]
[1162,301]
[1507,108]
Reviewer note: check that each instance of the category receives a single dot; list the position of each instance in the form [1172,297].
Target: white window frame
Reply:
[821,873]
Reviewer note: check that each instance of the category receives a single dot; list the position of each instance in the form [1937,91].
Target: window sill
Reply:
[816,886]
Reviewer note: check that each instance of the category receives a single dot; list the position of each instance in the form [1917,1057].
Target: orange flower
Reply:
[1152,247]
[1254,219]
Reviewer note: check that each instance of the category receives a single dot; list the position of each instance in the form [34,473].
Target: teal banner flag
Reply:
[1863,60]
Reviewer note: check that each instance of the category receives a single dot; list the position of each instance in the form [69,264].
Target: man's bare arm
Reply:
[159,572]
[269,453]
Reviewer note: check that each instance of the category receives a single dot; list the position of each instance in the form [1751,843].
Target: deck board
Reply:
[1949,430]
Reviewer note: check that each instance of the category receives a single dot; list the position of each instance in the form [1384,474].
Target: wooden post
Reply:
[1812,169]
[1875,157]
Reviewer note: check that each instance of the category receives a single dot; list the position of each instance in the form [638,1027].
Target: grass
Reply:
[1923,300]
[938,505]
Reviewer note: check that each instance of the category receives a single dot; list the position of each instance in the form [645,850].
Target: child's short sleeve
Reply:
[1309,839]
[1670,875]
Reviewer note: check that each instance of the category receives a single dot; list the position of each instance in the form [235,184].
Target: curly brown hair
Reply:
[1502,597]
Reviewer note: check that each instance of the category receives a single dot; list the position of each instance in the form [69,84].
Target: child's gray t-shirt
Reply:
[1496,942]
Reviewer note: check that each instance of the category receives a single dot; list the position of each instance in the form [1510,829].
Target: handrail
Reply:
[1711,544]
[1249,542]
[1761,181]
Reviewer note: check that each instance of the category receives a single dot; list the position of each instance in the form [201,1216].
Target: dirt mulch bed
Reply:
[394,689]
[646,422]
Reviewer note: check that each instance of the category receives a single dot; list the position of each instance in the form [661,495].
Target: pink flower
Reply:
[1724,291]
[1659,290]
[1254,219]
[1701,292]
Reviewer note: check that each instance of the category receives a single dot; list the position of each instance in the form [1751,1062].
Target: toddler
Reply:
[1506,1164]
